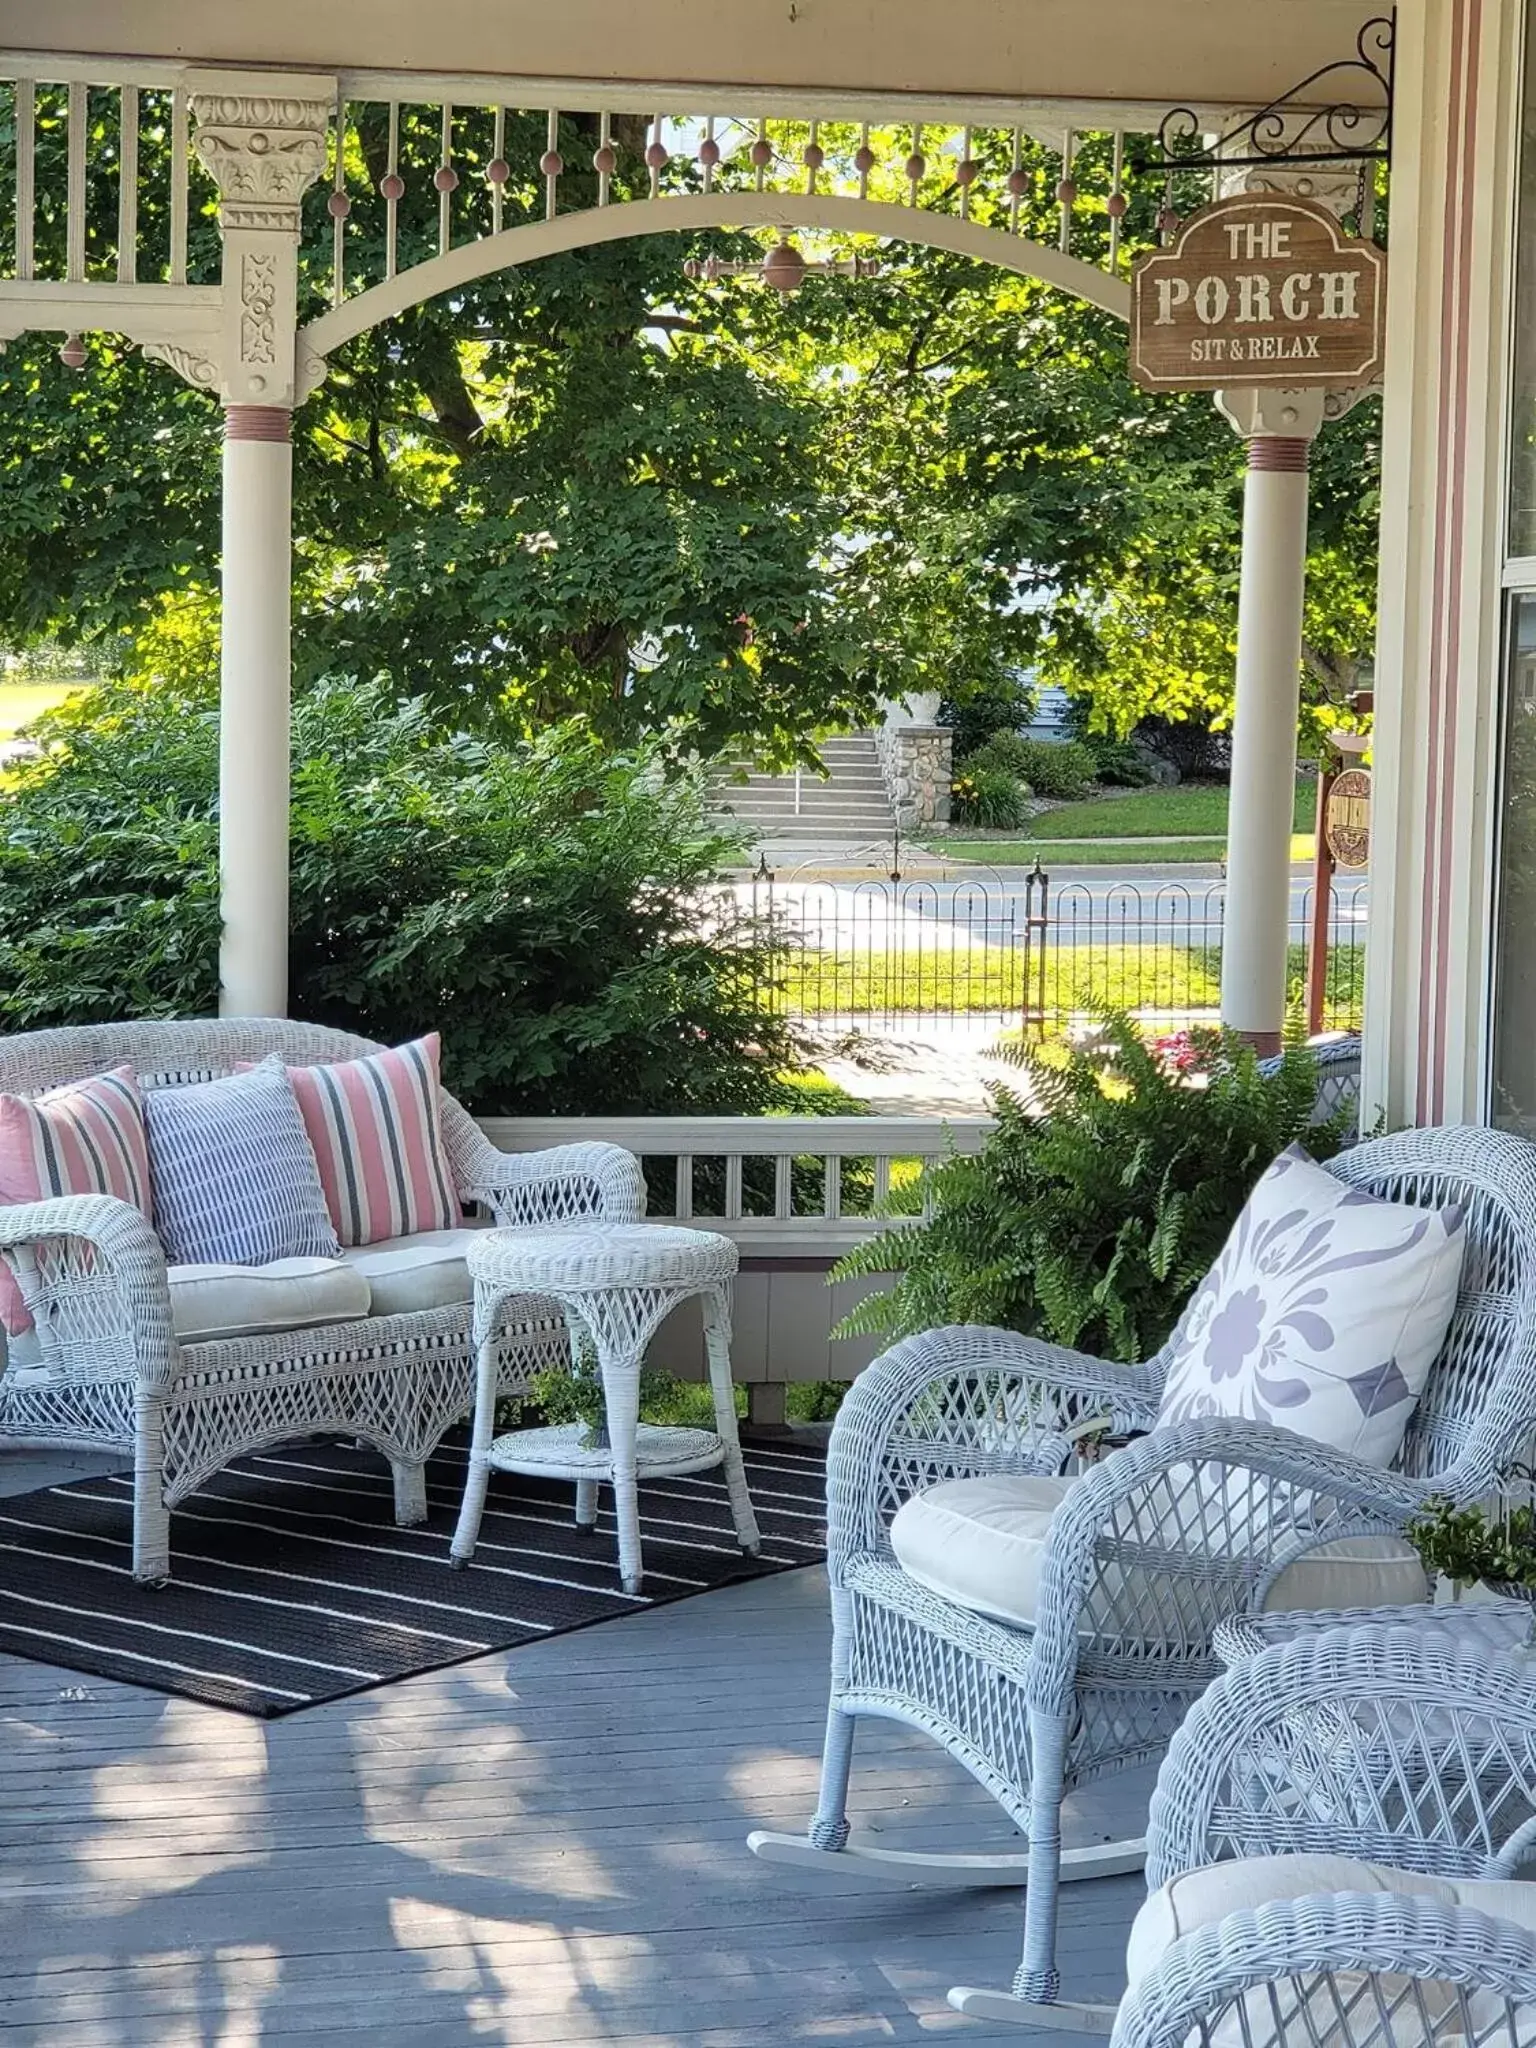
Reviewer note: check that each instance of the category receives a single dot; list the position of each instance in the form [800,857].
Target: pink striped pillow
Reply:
[83,1139]
[377,1130]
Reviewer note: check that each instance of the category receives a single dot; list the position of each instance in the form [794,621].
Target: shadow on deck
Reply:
[545,1846]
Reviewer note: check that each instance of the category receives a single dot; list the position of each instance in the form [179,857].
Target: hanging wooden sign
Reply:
[1258,289]
[1347,819]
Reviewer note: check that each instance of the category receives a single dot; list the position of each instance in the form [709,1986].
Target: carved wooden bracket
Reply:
[264,141]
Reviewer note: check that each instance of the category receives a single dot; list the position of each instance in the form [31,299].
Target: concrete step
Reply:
[808,790]
[771,813]
[849,804]
[787,787]
[844,778]
[819,833]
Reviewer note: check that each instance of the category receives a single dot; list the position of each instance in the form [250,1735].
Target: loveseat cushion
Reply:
[210,1302]
[234,1173]
[1198,1897]
[406,1275]
[377,1130]
[86,1138]
[982,1543]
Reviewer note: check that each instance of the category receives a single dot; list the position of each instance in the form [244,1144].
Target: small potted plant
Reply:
[1475,1546]
[574,1393]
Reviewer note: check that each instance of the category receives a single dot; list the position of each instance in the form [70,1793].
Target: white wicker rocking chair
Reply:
[1366,1746]
[112,1373]
[1152,1548]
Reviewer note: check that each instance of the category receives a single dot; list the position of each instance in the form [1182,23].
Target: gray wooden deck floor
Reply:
[543,1846]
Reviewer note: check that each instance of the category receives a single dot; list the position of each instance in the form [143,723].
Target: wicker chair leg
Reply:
[410,1492]
[829,1827]
[1038,1979]
[151,1516]
[586,1504]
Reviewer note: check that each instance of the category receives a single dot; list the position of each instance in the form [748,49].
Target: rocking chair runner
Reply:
[1383,1786]
[1145,1554]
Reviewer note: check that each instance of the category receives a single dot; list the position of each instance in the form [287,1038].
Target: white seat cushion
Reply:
[408,1274]
[1199,1897]
[981,1543]
[210,1302]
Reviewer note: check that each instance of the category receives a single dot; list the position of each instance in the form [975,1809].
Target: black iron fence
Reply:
[891,954]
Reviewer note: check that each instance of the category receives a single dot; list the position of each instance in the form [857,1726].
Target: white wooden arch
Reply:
[688,213]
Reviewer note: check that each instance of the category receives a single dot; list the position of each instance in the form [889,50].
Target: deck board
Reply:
[542,1846]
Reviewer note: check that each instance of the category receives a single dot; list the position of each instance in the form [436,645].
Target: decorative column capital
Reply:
[1334,185]
[264,138]
[264,142]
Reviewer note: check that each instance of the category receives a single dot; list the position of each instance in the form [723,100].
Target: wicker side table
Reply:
[616,1286]
[1493,1626]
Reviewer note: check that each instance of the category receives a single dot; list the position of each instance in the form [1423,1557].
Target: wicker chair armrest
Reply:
[1288,1946]
[92,1273]
[1188,1494]
[961,1401]
[1307,1748]
[566,1184]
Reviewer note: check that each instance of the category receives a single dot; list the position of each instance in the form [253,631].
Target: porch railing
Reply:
[795,1193]
[782,1187]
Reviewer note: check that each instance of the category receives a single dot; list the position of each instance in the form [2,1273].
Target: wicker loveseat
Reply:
[108,1369]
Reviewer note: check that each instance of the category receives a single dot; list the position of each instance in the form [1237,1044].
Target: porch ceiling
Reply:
[817,51]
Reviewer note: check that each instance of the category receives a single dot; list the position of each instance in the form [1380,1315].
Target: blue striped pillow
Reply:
[234,1174]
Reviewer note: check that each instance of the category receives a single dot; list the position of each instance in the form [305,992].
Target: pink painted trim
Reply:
[1454,588]
[257,422]
[1445,646]
[1279,454]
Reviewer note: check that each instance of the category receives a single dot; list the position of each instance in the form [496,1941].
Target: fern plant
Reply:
[1102,1197]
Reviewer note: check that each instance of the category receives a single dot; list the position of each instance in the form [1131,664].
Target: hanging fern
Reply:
[1104,1194]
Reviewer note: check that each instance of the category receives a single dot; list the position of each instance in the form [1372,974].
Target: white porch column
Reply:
[253,711]
[264,139]
[1255,935]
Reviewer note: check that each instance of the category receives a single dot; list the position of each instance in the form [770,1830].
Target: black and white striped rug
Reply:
[292,1584]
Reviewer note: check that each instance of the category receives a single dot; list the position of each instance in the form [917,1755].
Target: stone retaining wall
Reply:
[916,761]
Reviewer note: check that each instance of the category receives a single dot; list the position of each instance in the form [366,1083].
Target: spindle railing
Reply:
[100,186]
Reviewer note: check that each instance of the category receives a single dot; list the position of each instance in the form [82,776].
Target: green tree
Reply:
[588,485]
[1153,630]
[535,901]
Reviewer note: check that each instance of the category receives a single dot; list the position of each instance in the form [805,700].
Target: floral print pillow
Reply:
[1324,1313]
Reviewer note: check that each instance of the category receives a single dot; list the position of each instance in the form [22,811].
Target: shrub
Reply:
[988,797]
[536,903]
[1060,769]
[1120,763]
[978,710]
[1197,753]
[1103,1196]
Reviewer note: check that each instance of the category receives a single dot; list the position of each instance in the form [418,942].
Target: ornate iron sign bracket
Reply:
[1302,126]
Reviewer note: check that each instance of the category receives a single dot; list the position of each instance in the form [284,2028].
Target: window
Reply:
[1514,1045]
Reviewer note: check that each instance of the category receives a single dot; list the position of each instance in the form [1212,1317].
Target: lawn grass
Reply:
[1188,811]
[1095,853]
[1162,978]
[20,703]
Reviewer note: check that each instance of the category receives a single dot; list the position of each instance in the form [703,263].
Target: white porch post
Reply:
[253,711]
[1255,935]
[264,139]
